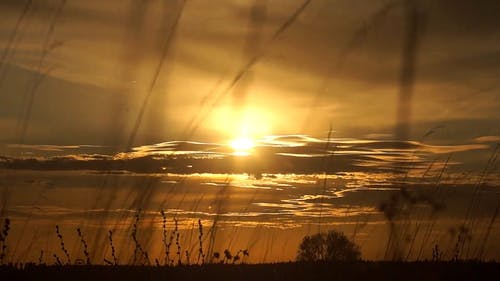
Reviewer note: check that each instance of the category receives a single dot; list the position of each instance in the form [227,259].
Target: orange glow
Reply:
[251,122]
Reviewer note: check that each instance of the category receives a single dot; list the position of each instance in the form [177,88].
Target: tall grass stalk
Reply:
[243,72]
[85,247]
[63,246]
[164,237]
[113,252]
[201,255]
[178,244]
[488,233]
[169,244]
[40,258]
[3,239]
[138,250]
[12,38]
[166,46]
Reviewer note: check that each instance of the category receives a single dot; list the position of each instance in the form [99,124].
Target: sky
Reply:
[238,94]
[338,59]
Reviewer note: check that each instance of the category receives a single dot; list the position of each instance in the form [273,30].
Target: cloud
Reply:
[487,139]
[273,155]
[48,147]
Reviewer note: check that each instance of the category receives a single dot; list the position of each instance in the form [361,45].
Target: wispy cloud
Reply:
[276,154]
[487,139]
[49,147]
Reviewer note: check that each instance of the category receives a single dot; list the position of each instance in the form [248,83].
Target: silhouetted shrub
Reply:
[331,246]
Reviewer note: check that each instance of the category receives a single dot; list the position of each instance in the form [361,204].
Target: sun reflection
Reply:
[242,146]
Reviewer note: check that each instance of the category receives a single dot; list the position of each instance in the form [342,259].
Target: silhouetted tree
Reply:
[331,246]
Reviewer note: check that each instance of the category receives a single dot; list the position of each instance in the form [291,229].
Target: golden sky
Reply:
[82,70]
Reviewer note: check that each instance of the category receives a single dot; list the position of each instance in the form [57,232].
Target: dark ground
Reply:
[372,271]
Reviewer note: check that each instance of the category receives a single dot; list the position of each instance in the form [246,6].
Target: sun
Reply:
[242,146]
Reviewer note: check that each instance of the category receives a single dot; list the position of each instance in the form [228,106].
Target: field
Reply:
[375,271]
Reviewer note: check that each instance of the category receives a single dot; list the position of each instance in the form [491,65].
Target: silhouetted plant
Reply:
[3,239]
[63,247]
[169,244]
[178,248]
[462,238]
[227,256]
[164,237]
[58,261]
[201,255]
[113,252]
[138,248]
[246,253]
[188,258]
[85,247]
[331,246]
[436,253]
[237,257]
[216,256]
[40,258]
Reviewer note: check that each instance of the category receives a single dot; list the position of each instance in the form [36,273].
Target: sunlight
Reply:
[242,146]
[250,123]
